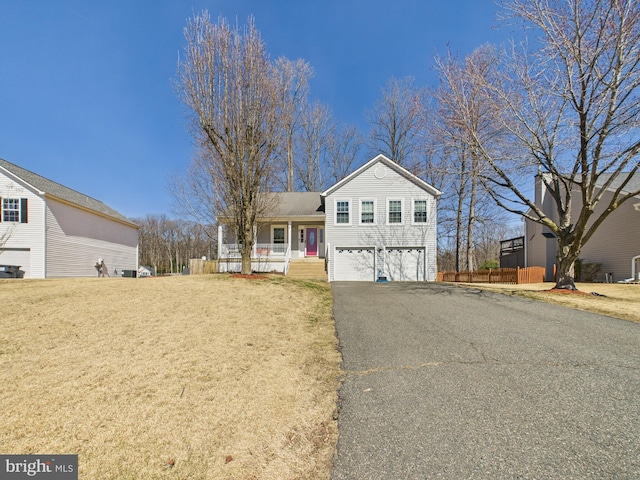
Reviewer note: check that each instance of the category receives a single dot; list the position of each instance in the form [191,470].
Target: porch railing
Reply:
[260,250]
[287,259]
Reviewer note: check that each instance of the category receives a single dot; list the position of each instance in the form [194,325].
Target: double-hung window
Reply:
[394,211]
[279,239]
[14,210]
[278,235]
[420,210]
[367,212]
[343,212]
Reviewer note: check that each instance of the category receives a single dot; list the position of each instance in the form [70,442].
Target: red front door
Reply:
[312,242]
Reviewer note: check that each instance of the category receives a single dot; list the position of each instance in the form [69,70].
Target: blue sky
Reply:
[85,85]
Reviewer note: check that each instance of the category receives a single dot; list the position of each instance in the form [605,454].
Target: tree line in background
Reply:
[167,244]
[563,104]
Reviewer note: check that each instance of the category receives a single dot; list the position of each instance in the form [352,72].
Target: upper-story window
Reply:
[14,210]
[394,211]
[367,212]
[343,212]
[420,211]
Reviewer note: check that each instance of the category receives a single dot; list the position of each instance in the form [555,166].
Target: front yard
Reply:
[180,377]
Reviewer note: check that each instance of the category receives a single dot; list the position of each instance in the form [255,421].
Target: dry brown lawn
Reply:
[612,299]
[199,377]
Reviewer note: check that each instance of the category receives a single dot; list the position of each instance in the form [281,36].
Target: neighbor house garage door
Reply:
[354,264]
[17,256]
[404,264]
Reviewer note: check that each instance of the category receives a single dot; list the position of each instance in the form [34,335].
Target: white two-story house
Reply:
[49,230]
[378,223]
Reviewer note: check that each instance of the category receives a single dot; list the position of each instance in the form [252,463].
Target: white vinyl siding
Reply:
[77,238]
[24,238]
[380,183]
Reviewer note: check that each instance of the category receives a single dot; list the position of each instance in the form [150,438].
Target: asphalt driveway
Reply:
[449,382]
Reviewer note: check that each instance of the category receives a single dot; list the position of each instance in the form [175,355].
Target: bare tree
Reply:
[167,244]
[5,234]
[569,111]
[394,121]
[312,142]
[293,78]
[459,90]
[194,194]
[343,150]
[231,90]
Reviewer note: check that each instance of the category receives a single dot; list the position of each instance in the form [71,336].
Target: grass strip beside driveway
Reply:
[617,300]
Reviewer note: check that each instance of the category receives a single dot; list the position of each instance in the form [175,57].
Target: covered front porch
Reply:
[292,229]
[277,244]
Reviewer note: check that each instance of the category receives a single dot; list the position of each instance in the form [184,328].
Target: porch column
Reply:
[219,240]
[289,235]
[254,249]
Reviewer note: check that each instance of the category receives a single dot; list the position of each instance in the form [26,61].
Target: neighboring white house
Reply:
[377,223]
[615,245]
[145,271]
[50,230]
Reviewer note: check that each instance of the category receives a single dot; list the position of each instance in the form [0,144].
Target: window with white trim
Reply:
[367,212]
[14,210]
[420,210]
[394,211]
[278,235]
[343,212]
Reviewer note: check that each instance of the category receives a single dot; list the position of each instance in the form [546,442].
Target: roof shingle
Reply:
[54,189]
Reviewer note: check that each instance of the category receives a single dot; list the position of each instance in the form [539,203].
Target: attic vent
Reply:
[380,172]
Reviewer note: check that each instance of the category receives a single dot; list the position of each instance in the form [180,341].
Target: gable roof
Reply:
[393,166]
[632,186]
[56,191]
[297,204]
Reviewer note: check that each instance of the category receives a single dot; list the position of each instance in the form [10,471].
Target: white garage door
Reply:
[17,256]
[404,264]
[354,264]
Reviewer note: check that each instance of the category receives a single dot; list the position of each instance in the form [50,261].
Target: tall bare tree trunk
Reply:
[459,224]
[234,93]
[472,213]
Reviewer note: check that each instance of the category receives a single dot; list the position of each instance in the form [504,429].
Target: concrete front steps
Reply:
[307,269]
